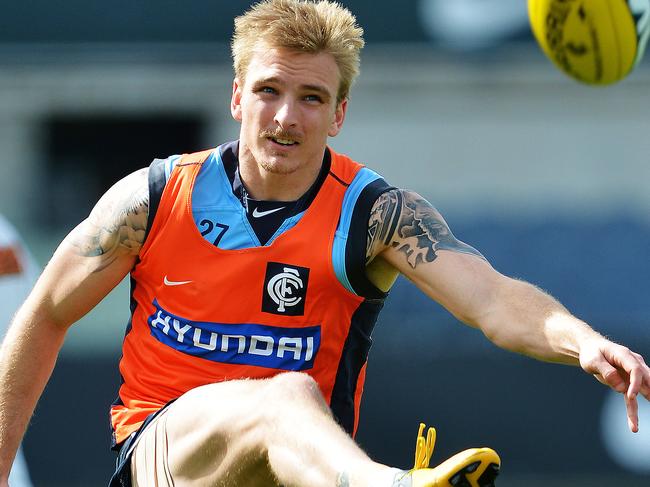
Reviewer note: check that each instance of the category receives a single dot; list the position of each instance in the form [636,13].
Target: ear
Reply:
[235,100]
[339,117]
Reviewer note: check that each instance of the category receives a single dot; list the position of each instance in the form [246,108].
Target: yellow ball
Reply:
[594,41]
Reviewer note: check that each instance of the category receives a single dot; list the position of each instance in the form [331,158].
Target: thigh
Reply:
[212,435]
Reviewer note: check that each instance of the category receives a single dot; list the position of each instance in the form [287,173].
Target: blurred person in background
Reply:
[269,258]
[18,273]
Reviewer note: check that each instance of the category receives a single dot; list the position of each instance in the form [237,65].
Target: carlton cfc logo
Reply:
[285,289]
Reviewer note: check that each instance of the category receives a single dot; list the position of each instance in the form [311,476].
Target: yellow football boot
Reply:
[477,467]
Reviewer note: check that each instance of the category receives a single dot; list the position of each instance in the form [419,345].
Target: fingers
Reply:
[631,376]
[632,407]
[634,384]
[613,377]
[639,357]
[624,371]
[645,384]
[638,373]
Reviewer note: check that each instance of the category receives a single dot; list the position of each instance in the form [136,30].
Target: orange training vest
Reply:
[204,314]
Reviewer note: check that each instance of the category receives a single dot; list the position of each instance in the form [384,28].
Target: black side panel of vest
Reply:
[118,400]
[157,183]
[354,356]
[355,248]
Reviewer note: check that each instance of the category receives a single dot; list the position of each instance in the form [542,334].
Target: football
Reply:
[596,42]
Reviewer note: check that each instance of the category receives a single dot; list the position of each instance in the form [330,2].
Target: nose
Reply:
[286,115]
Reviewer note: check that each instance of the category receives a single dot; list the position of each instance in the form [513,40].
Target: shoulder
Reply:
[116,225]
[359,198]
[129,194]
[404,221]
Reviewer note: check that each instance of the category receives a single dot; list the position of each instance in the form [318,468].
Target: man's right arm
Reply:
[88,264]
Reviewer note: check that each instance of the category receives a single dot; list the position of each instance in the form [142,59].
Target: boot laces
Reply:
[424,447]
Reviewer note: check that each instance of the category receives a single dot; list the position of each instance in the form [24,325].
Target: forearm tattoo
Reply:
[405,221]
[117,224]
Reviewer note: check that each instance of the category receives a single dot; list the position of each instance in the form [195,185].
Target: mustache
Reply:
[281,134]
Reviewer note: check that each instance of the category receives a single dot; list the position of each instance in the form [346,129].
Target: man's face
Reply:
[287,107]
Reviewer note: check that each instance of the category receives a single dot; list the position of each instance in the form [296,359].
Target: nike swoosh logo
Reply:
[259,214]
[174,283]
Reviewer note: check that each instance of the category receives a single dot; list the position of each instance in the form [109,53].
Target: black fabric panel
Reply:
[354,356]
[230,158]
[355,248]
[229,153]
[122,475]
[157,183]
[118,400]
[265,227]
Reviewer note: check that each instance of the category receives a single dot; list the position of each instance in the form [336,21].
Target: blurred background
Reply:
[549,179]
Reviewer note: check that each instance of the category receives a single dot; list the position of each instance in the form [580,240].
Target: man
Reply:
[258,270]
[18,272]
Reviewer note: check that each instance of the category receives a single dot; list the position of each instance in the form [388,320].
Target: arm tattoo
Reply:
[384,217]
[117,224]
[405,221]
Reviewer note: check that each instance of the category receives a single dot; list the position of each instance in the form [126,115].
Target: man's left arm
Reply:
[412,237]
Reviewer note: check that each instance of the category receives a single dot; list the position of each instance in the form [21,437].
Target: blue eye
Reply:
[266,89]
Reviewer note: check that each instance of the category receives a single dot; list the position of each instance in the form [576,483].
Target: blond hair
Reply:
[304,26]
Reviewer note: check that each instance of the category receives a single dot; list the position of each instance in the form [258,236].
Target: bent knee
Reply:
[293,386]
[294,383]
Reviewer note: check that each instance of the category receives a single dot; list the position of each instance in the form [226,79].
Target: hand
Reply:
[621,369]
